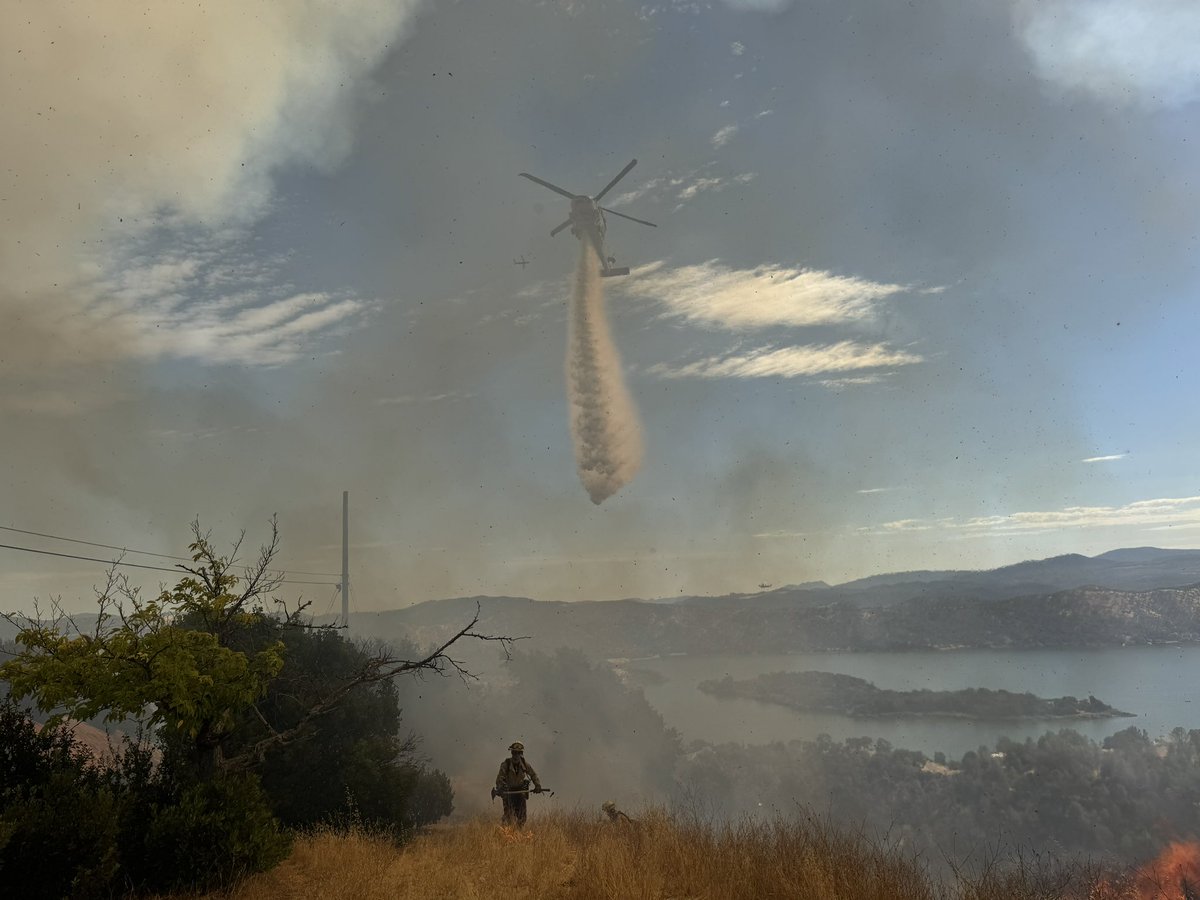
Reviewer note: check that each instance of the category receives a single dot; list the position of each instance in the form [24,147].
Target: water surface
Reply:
[1158,684]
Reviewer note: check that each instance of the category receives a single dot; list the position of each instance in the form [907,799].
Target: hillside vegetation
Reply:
[574,857]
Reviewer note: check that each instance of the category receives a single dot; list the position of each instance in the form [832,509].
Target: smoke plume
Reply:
[604,422]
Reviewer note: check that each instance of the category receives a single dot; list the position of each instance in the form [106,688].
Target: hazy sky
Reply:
[923,291]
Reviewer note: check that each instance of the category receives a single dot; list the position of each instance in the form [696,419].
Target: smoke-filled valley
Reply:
[594,738]
[1110,789]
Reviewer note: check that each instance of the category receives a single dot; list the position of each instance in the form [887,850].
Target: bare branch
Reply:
[263,719]
[381,667]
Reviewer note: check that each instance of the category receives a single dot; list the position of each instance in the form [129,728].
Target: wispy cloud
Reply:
[1157,513]
[1141,51]
[907,525]
[203,434]
[723,136]
[758,5]
[639,192]
[682,187]
[1109,458]
[715,184]
[210,303]
[740,299]
[791,362]
[700,184]
[408,399]
[841,384]
[882,490]
[782,535]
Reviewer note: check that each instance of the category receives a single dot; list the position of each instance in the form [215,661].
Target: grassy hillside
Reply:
[575,857]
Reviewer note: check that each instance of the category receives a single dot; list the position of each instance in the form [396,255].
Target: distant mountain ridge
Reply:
[1131,569]
[1128,596]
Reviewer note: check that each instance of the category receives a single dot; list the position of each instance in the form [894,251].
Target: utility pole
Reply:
[345,559]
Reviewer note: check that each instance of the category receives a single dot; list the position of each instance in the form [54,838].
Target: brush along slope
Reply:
[573,857]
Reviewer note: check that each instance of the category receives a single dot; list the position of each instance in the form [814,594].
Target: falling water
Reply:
[604,422]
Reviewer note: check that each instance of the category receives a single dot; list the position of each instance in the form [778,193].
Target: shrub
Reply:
[58,823]
[211,834]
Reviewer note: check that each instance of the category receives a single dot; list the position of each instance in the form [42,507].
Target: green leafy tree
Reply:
[203,665]
[168,658]
[182,659]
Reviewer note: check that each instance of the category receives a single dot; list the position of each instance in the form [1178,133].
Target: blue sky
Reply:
[922,292]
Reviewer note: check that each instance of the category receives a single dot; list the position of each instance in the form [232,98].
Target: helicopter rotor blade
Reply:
[630,218]
[546,184]
[608,187]
[560,228]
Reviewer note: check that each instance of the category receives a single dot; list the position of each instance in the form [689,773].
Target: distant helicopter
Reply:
[522,262]
[763,586]
[587,219]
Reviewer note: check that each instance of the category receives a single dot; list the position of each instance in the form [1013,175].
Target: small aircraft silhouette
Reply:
[763,586]
[522,262]
[587,219]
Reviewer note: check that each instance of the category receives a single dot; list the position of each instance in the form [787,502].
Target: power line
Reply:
[132,565]
[57,537]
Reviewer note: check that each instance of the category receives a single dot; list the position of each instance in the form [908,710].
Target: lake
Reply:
[1159,684]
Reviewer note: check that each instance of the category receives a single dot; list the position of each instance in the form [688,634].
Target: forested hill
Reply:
[1003,608]
[1129,569]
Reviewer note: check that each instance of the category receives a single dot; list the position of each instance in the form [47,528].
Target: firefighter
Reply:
[512,784]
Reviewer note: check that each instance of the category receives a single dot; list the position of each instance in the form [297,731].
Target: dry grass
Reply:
[573,857]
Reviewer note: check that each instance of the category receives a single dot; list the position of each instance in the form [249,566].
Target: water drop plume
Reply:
[604,421]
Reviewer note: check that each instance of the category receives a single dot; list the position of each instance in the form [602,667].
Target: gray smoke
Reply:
[604,422]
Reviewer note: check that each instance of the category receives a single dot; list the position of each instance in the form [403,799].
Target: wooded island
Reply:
[850,696]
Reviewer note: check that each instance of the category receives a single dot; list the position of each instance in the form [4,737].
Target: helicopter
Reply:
[587,219]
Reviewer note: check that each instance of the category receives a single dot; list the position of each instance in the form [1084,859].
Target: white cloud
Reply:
[737,48]
[637,193]
[1156,513]
[211,303]
[713,294]
[700,184]
[1110,458]
[408,399]
[841,384]
[758,5]
[686,186]
[723,136]
[907,525]
[791,362]
[1142,51]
